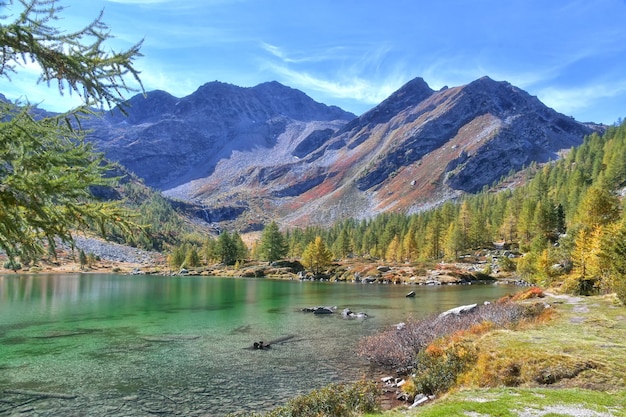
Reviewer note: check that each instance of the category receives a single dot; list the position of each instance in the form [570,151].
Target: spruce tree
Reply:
[272,245]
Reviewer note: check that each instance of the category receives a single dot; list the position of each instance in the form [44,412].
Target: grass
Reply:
[513,402]
[571,365]
[584,346]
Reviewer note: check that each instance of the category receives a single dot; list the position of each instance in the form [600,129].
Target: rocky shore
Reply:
[107,257]
[110,257]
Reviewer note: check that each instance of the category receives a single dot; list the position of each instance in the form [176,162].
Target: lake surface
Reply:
[147,345]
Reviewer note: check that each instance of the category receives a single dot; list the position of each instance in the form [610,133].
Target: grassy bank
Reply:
[573,364]
[515,402]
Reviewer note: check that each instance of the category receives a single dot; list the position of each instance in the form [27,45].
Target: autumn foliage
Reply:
[398,349]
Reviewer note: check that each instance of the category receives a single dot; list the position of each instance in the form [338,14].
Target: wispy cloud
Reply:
[355,76]
[570,100]
[347,88]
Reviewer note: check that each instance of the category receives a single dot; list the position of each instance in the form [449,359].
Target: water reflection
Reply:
[106,338]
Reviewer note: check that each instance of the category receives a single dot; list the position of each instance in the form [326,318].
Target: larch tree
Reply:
[584,277]
[599,207]
[316,257]
[614,254]
[46,166]
[394,250]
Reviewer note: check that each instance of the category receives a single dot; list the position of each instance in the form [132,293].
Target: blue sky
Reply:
[354,53]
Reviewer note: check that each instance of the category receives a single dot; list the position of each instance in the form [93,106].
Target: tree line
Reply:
[565,224]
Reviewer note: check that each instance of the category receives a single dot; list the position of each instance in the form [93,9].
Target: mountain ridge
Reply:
[271,152]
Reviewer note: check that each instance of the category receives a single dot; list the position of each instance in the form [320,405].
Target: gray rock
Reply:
[459,310]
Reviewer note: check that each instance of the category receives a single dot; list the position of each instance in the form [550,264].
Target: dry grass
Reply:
[577,346]
[582,346]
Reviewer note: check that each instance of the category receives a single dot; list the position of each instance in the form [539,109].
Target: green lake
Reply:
[147,345]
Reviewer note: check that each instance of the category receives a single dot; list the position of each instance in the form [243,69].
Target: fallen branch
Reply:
[41,394]
[158,393]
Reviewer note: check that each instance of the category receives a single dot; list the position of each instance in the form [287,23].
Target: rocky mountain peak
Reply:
[171,141]
[270,152]
[142,109]
[270,99]
[410,94]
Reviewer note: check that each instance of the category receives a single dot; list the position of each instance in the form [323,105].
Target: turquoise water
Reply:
[146,345]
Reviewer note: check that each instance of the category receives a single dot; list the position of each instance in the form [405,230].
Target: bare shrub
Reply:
[397,349]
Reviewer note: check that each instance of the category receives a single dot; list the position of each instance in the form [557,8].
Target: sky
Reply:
[571,54]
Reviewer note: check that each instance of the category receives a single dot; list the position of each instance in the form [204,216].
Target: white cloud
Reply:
[357,74]
[571,100]
[355,88]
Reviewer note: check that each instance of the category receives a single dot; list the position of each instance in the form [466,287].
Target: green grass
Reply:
[512,402]
[572,365]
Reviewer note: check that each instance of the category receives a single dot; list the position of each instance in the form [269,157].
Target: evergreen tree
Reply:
[394,250]
[241,250]
[598,207]
[177,257]
[192,259]
[409,246]
[433,237]
[344,244]
[452,242]
[47,167]
[226,249]
[584,280]
[272,245]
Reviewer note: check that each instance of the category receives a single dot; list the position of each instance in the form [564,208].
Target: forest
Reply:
[562,222]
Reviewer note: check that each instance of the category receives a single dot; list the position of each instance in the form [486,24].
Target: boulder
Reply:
[348,314]
[459,310]
[419,400]
[323,310]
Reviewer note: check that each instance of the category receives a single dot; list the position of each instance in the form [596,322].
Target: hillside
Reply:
[248,155]
[170,142]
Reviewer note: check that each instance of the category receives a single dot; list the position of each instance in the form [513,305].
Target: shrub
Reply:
[514,368]
[336,400]
[13,265]
[534,292]
[506,264]
[396,349]
[437,369]
[620,290]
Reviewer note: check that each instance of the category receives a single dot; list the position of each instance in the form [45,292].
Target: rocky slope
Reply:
[271,152]
[169,141]
[420,147]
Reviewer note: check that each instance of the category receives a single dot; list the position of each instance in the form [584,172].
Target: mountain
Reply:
[169,141]
[270,152]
